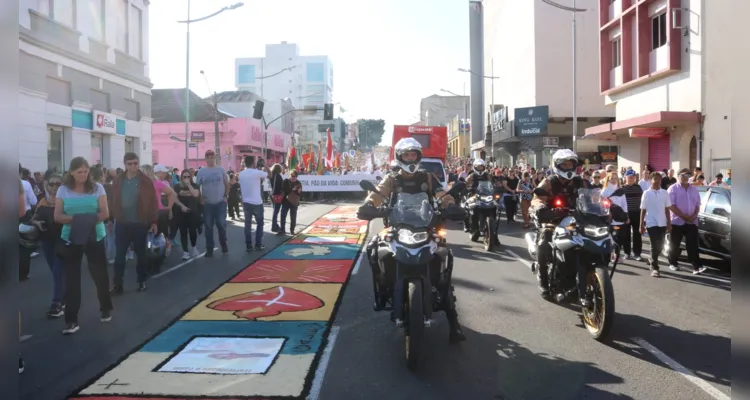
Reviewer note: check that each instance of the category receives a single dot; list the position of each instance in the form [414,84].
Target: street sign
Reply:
[193,145]
[551,141]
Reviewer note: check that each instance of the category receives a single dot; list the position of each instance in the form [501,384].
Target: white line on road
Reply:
[516,256]
[359,262]
[686,373]
[320,373]
[180,265]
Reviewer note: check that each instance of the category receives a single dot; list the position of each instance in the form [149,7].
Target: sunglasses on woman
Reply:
[54,184]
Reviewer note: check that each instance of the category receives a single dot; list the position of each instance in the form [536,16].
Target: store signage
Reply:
[531,121]
[197,136]
[647,132]
[104,122]
[550,141]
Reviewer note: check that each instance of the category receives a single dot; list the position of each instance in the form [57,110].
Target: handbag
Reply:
[276,198]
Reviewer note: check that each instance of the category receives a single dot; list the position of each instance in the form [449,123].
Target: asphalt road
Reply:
[519,346]
[56,365]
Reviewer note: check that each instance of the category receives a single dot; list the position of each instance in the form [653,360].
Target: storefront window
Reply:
[55,150]
[129,145]
[97,147]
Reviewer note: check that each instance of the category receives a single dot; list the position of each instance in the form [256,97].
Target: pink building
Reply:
[239,137]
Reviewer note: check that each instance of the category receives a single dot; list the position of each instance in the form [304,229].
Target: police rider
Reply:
[409,178]
[479,174]
[563,180]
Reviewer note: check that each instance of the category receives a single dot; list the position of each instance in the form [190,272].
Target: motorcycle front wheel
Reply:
[414,331]
[599,318]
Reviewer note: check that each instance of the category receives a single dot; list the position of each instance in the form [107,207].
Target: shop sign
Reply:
[197,137]
[648,132]
[609,156]
[104,122]
[531,121]
[550,141]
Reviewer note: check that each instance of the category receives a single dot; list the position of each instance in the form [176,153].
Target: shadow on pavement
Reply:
[489,366]
[708,356]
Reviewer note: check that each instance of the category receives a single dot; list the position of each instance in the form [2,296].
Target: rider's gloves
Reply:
[544,213]
[365,211]
[455,209]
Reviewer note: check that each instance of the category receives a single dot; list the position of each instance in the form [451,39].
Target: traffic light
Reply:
[328,112]
[258,110]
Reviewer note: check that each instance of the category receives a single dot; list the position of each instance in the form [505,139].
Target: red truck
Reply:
[434,141]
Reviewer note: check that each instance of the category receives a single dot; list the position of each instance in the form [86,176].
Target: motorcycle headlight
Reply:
[596,231]
[486,198]
[406,236]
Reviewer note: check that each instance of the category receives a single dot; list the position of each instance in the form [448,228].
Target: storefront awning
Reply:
[661,119]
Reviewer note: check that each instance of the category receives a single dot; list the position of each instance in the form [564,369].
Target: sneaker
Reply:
[34,254]
[209,253]
[655,273]
[260,247]
[629,257]
[699,270]
[21,365]
[117,289]
[185,255]
[70,328]
[142,287]
[224,248]
[194,252]
[249,247]
[56,310]
[637,258]
[106,316]
[168,250]
[674,267]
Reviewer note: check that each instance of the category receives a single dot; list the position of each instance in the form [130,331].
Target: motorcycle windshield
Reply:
[591,202]
[485,188]
[413,210]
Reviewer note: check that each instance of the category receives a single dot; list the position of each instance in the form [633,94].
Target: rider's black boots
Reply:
[542,279]
[455,334]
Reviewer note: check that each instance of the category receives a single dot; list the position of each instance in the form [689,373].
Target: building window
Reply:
[315,72]
[121,42]
[97,150]
[129,145]
[135,28]
[55,150]
[617,52]
[659,30]
[92,18]
[62,11]
[246,74]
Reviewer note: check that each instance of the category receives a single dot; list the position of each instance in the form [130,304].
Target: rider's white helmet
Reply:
[559,158]
[479,163]
[406,145]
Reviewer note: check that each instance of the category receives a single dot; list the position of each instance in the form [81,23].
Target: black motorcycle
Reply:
[581,238]
[415,264]
[483,204]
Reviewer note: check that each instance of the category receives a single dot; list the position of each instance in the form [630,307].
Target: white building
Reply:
[528,47]
[671,94]
[283,73]
[84,86]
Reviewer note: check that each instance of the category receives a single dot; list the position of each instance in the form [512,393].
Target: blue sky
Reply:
[387,54]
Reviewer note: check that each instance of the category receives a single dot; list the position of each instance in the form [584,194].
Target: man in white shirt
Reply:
[251,186]
[655,218]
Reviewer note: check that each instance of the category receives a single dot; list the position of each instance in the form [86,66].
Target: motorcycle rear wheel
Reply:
[414,331]
[599,319]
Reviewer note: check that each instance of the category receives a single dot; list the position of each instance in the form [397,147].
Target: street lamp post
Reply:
[217,139]
[466,103]
[492,77]
[573,11]
[187,23]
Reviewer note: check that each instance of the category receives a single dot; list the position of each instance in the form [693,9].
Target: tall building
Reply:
[664,68]
[84,85]
[441,110]
[285,74]
[528,47]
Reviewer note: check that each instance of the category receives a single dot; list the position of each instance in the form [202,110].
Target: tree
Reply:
[370,132]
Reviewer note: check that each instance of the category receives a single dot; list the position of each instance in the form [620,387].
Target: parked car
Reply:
[714,223]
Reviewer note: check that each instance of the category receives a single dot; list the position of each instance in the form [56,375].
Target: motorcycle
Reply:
[415,264]
[582,238]
[484,205]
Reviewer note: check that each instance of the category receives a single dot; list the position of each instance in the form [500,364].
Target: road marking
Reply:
[26,337]
[180,265]
[516,256]
[686,373]
[320,373]
[359,262]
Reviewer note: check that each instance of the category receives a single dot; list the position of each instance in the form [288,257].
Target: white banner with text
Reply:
[330,183]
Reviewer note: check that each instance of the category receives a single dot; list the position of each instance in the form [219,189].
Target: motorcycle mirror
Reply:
[370,187]
[541,192]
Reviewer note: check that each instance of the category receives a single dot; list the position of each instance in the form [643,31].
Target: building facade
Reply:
[438,110]
[241,104]
[528,49]
[664,67]
[84,85]
[307,81]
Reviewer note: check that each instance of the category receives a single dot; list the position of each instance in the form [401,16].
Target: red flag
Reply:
[329,149]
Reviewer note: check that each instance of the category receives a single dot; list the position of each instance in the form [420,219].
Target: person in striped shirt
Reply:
[633,195]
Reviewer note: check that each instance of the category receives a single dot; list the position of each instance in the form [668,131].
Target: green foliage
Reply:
[370,132]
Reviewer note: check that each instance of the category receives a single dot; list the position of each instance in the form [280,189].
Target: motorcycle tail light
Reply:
[388,237]
[606,203]
[558,203]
